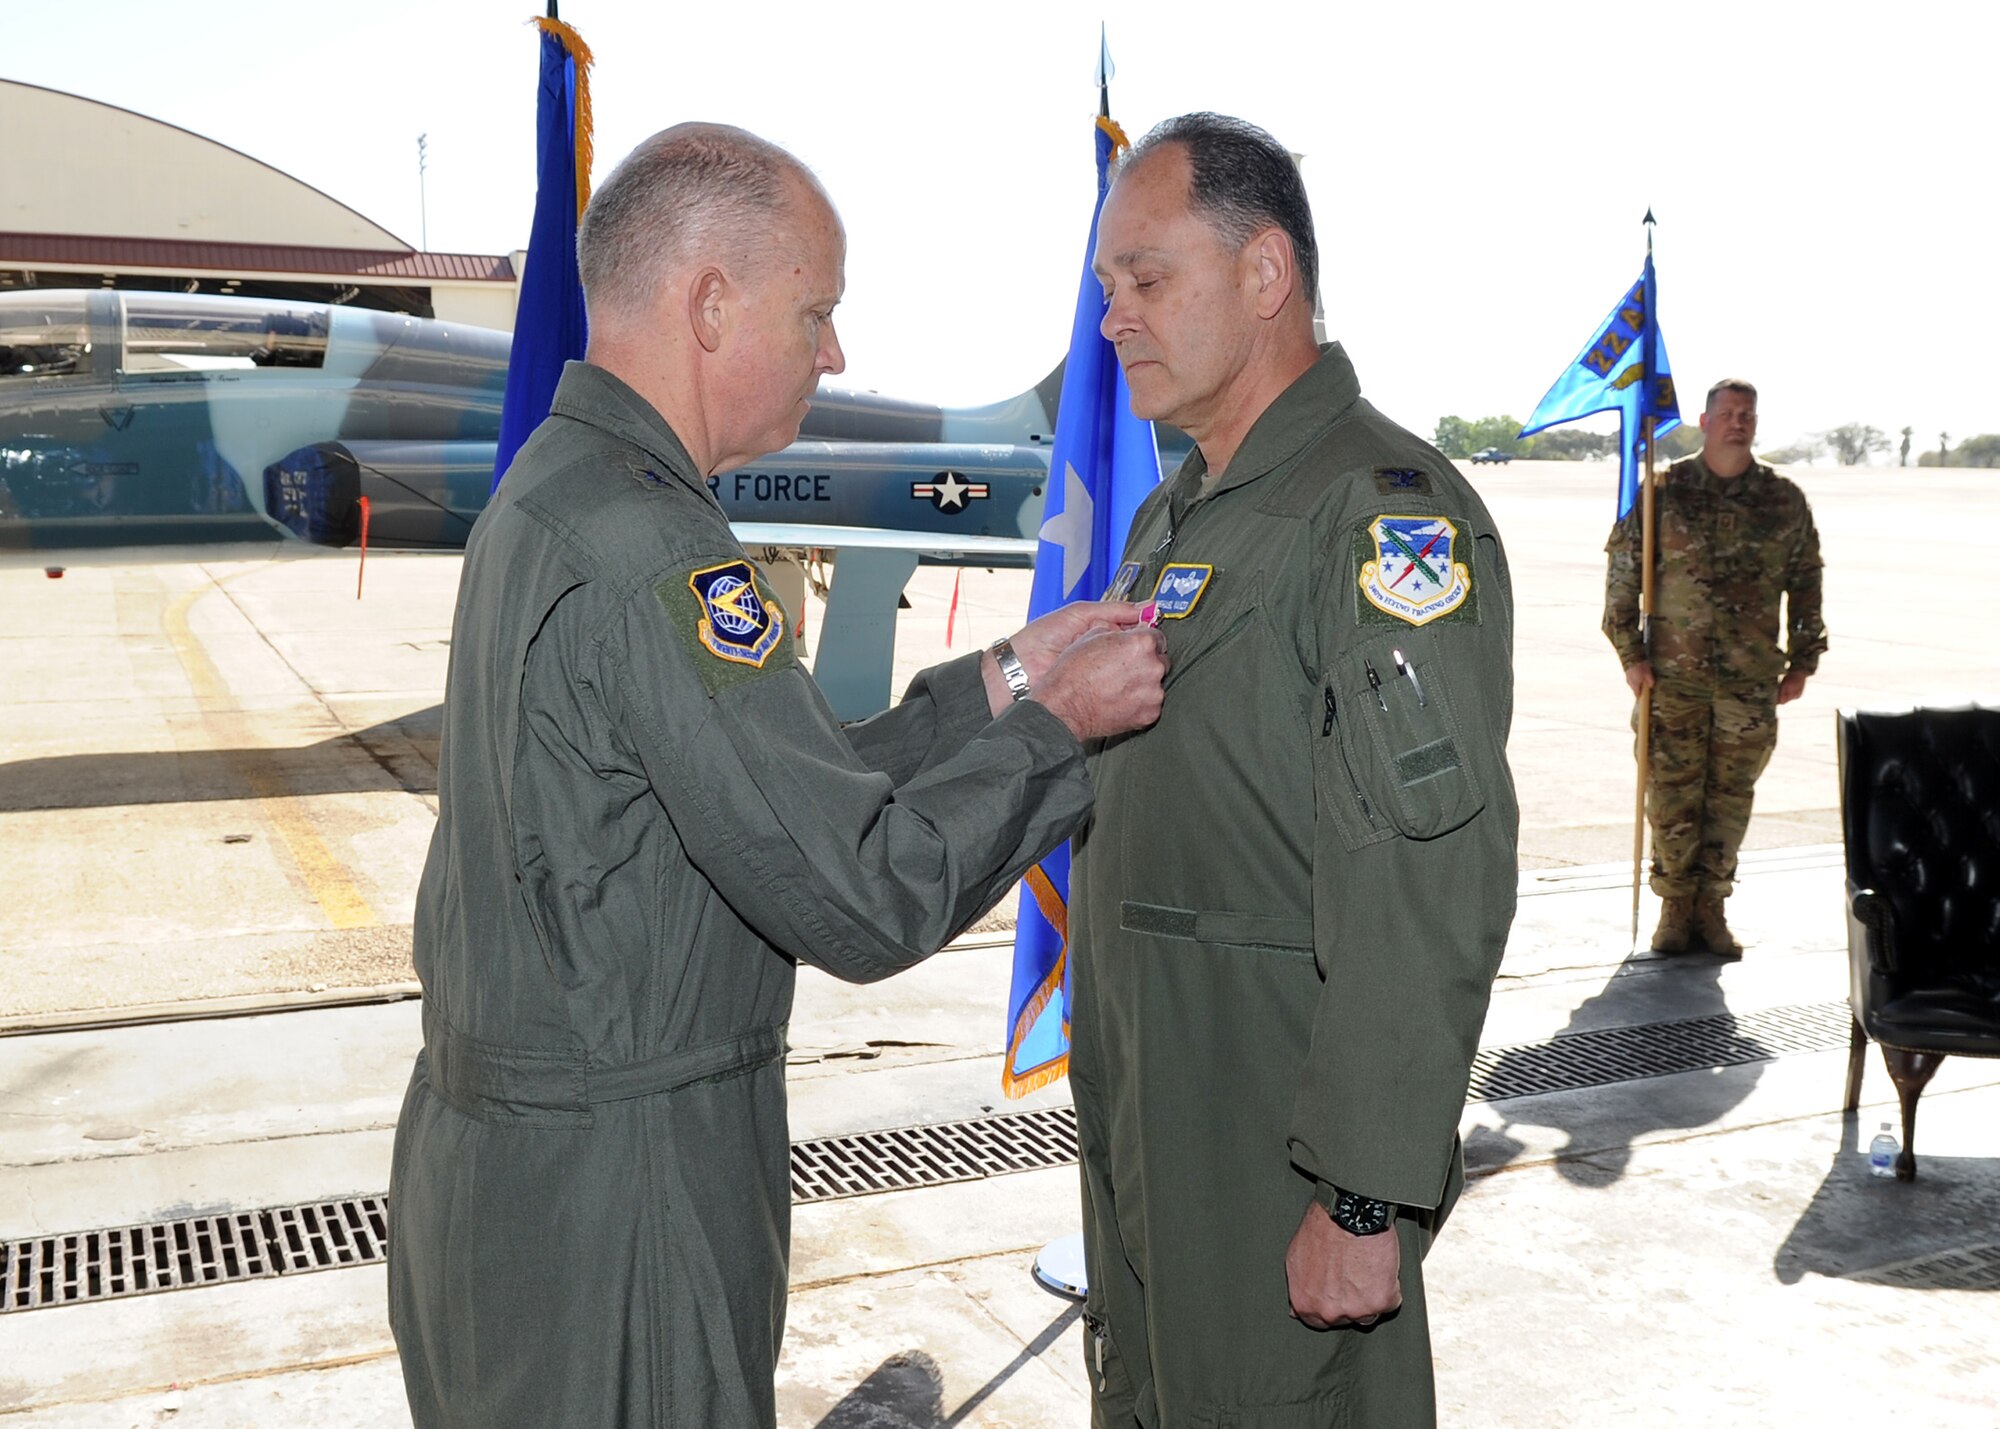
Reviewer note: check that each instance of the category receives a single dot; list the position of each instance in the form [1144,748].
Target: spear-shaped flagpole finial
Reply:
[1649,221]
[1105,70]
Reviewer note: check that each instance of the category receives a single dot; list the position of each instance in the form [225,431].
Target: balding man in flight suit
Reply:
[648,815]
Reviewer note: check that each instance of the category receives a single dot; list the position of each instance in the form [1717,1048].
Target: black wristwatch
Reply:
[1357,1215]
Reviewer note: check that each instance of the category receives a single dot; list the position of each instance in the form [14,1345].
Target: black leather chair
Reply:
[1920,817]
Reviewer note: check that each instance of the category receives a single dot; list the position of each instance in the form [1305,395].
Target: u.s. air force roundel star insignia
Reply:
[1413,568]
[1180,586]
[738,623]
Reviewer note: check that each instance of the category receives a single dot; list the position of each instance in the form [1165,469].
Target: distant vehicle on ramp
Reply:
[1493,455]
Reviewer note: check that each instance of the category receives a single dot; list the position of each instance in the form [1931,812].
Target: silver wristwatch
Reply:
[1010,667]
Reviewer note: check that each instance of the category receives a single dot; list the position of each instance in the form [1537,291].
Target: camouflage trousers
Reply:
[1708,748]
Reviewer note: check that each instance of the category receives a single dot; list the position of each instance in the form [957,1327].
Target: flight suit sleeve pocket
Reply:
[1413,767]
[1339,755]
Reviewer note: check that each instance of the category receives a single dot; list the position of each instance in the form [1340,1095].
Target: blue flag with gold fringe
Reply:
[549,327]
[1622,369]
[1102,464]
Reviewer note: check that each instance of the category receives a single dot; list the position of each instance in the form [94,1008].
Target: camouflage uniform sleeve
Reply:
[1621,590]
[1805,625]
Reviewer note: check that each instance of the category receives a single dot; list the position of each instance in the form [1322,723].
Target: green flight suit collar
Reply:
[590,394]
[1319,397]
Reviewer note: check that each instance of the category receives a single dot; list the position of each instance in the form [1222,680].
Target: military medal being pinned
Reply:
[1415,574]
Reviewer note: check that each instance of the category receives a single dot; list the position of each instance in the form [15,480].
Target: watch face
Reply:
[1358,1215]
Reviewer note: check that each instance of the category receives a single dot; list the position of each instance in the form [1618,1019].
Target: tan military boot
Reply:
[1714,929]
[1676,926]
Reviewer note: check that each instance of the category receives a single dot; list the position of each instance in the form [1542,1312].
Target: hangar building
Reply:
[191,215]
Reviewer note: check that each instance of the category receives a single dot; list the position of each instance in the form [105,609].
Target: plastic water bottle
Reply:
[1882,1152]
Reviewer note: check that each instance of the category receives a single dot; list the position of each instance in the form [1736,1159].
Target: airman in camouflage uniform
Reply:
[1733,538]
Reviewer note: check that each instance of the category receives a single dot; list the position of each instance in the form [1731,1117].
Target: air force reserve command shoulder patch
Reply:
[1180,587]
[737,622]
[733,628]
[1415,569]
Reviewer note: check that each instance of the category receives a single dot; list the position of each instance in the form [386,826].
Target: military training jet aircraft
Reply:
[132,417]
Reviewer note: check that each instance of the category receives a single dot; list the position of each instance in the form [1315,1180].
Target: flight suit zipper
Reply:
[1327,729]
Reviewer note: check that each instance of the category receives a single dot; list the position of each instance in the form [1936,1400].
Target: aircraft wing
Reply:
[934,545]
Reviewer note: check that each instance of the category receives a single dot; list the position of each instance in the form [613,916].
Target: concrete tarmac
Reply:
[217,777]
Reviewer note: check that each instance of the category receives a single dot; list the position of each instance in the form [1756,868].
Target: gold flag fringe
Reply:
[570,40]
[1016,1086]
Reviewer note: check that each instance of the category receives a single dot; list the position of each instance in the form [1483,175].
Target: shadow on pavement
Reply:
[1601,1138]
[906,1391]
[1926,1234]
[404,750]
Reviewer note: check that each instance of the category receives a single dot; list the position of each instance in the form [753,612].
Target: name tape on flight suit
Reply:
[1180,587]
[1415,569]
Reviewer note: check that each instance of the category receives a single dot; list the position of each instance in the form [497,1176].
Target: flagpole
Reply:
[1645,695]
[1645,605]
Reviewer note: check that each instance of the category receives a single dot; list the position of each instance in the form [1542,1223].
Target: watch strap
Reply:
[1355,1214]
[1011,669]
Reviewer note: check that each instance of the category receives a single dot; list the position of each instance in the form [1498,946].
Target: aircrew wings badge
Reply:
[738,622]
[1413,568]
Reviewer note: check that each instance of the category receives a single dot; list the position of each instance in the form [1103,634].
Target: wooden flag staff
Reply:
[1645,695]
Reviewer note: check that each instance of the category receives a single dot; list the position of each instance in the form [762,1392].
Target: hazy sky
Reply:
[1822,173]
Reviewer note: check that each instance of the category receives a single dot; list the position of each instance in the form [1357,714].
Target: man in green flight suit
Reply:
[1294,891]
[647,815]
[1733,540]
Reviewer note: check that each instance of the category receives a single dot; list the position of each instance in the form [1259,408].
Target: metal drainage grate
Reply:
[937,1155]
[324,1235]
[197,1250]
[1656,1049]
[1972,1267]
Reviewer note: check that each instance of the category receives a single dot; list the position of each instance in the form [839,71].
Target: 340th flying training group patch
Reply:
[1414,568]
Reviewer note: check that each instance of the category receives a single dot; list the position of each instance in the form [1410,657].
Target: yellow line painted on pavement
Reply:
[326,877]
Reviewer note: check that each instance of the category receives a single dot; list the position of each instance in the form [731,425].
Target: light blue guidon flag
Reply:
[1622,369]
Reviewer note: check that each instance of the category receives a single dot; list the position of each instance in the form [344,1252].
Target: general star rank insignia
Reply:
[737,622]
[1180,586]
[1415,573]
